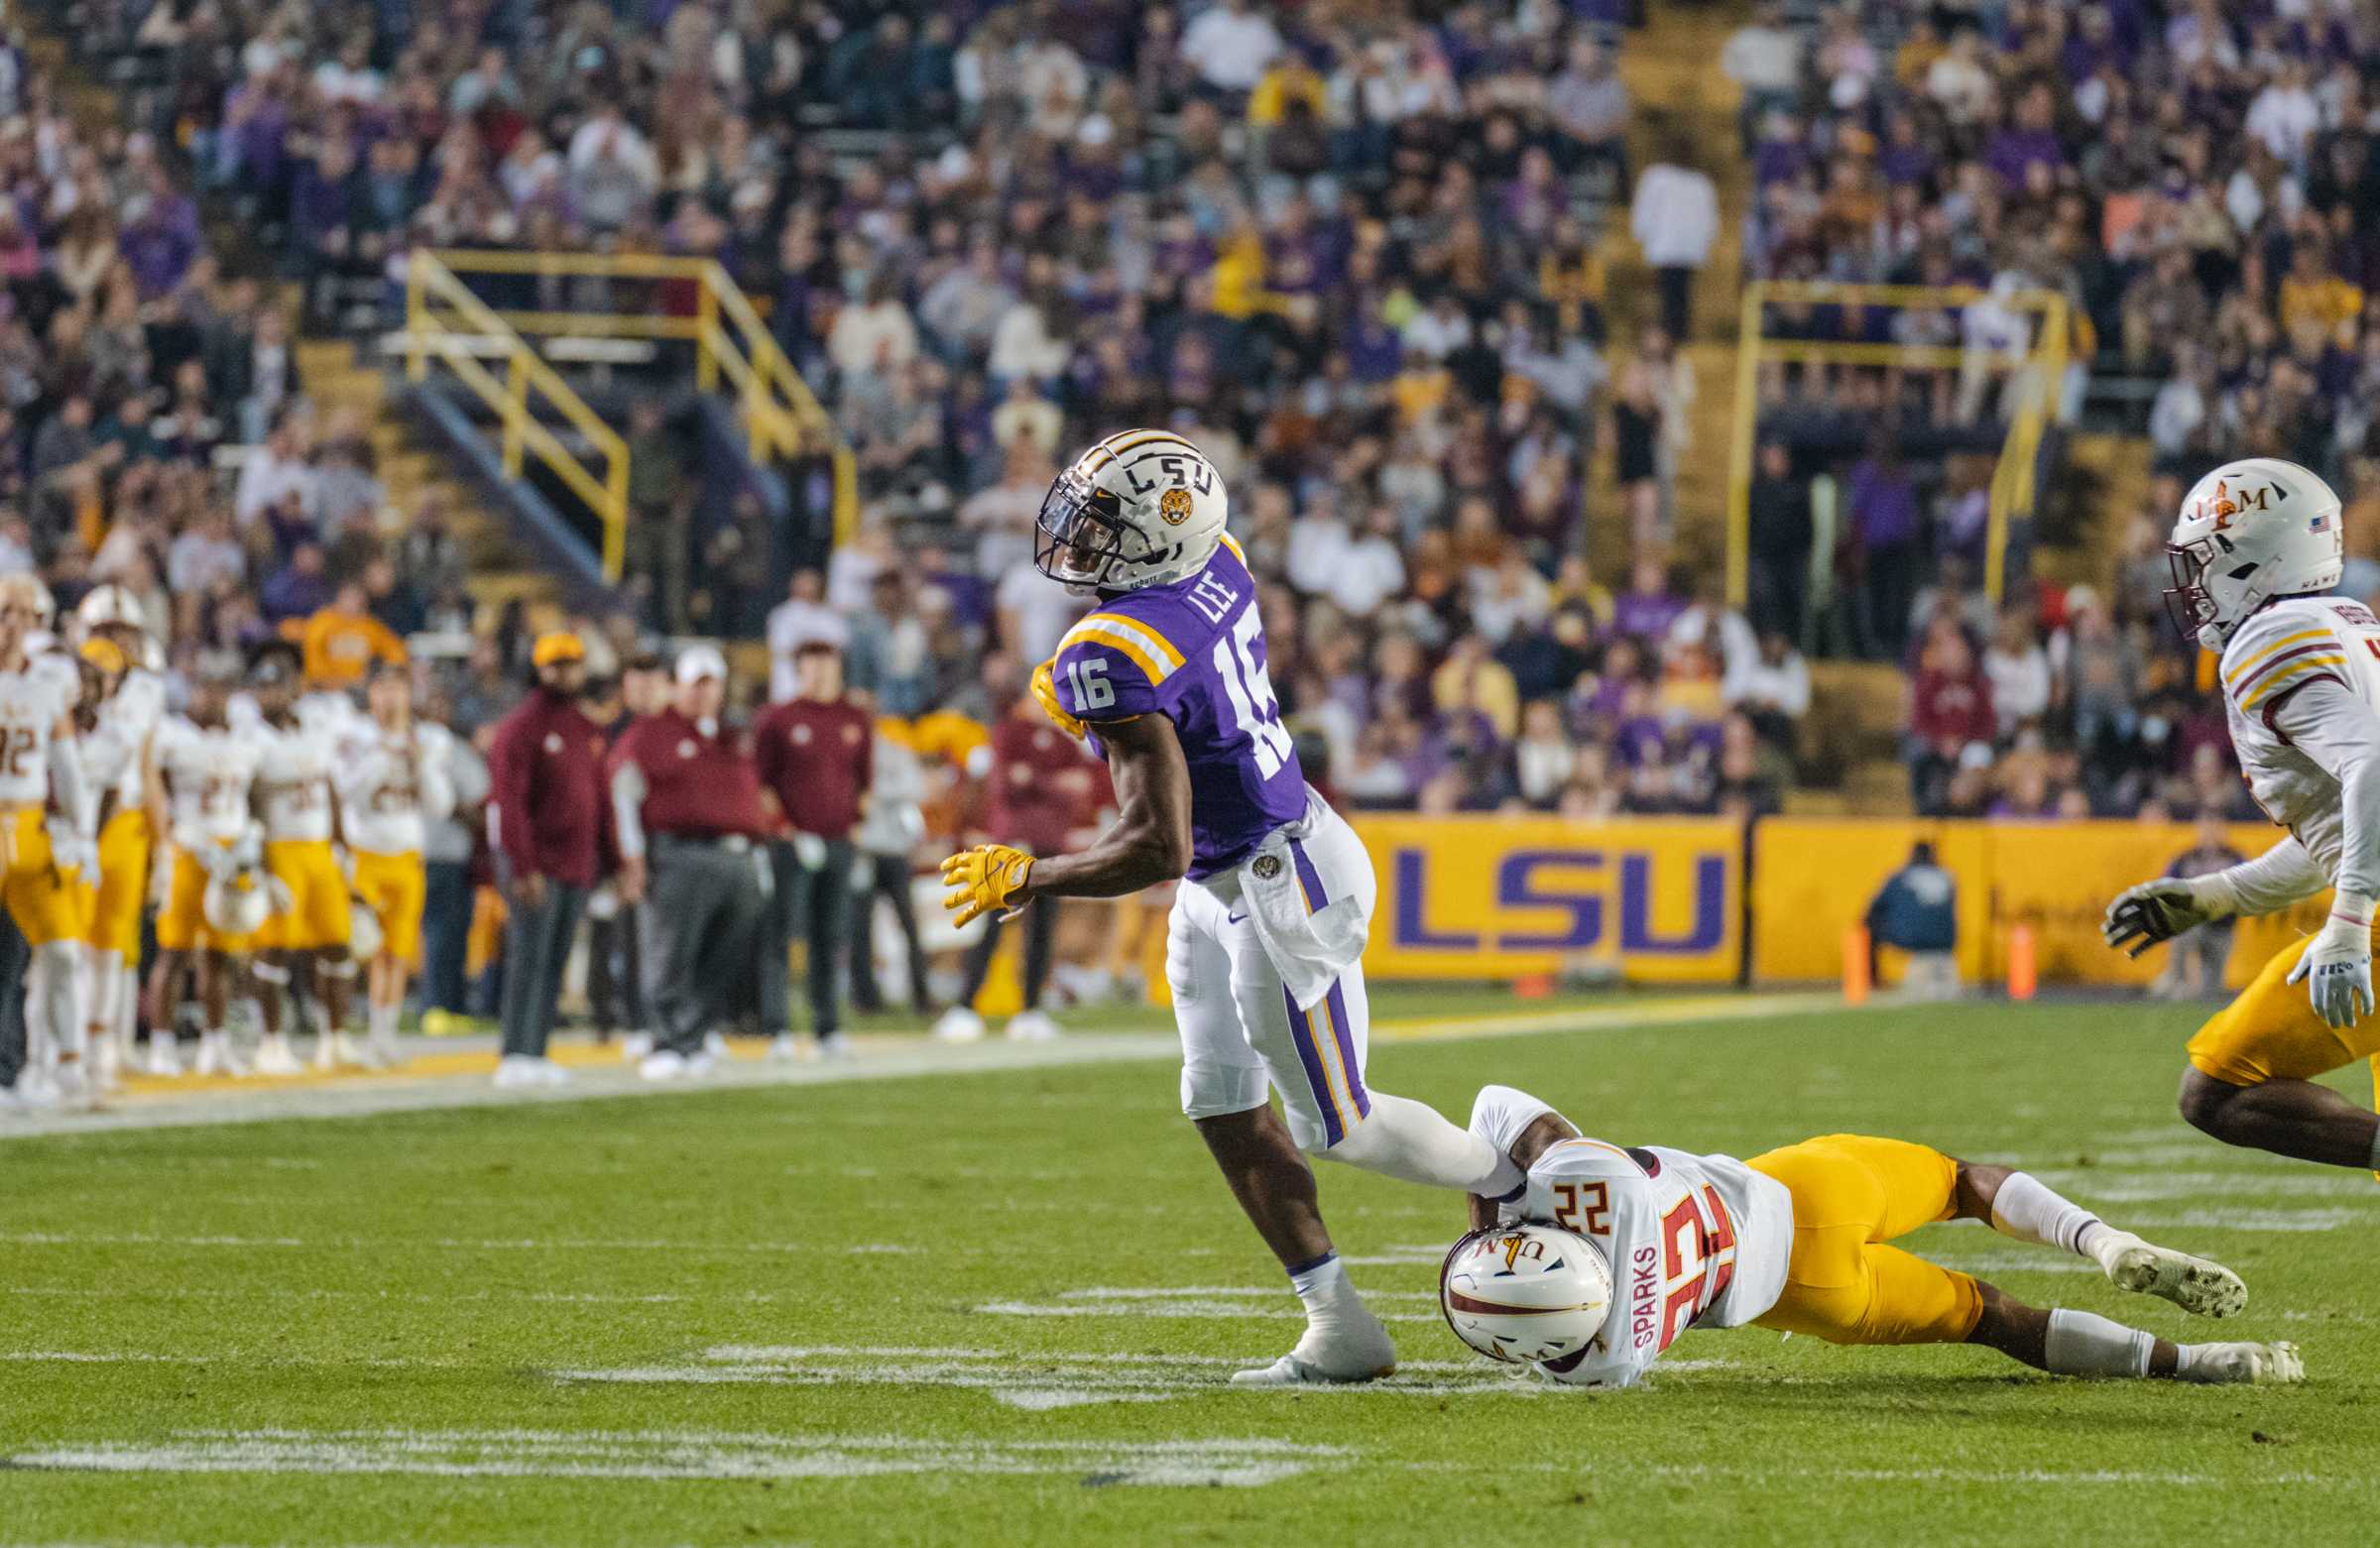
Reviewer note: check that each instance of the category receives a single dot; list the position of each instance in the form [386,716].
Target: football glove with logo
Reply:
[983,879]
[2337,968]
[2154,911]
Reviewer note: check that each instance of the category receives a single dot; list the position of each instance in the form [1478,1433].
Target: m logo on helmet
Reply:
[2228,505]
[1174,506]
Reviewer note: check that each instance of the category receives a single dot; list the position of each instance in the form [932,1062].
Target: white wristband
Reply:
[2351,908]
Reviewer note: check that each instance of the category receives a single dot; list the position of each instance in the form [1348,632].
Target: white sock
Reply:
[1413,1141]
[381,1022]
[1321,1284]
[61,998]
[2085,1343]
[2028,1209]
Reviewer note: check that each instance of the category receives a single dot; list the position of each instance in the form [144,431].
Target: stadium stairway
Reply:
[1668,66]
[342,385]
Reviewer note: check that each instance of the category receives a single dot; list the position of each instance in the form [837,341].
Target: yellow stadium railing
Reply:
[446,323]
[2038,373]
[732,345]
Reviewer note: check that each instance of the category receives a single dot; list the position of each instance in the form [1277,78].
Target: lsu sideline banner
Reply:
[1499,897]
[1813,879]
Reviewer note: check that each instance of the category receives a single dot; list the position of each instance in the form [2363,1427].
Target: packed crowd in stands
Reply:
[2189,176]
[1359,257]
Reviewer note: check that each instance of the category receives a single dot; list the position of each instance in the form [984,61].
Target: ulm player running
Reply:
[2254,555]
[1612,1252]
[1167,676]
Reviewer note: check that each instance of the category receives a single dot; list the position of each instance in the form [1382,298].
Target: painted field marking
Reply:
[1035,1381]
[700,1455]
[1202,1302]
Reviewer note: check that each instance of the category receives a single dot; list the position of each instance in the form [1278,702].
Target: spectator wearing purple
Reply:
[1883,508]
[161,237]
[301,588]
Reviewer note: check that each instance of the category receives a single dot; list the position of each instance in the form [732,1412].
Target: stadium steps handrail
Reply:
[445,321]
[734,349]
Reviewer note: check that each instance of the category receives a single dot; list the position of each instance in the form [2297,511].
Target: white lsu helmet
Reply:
[2249,532]
[237,902]
[1139,509]
[1525,1292]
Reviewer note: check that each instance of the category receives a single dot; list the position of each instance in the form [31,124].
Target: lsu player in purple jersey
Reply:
[1609,1253]
[1167,679]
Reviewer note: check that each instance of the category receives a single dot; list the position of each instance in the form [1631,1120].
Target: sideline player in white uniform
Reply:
[302,948]
[1796,1239]
[204,771]
[46,823]
[393,783]
[2256,549]
[112,750]
[1265,946]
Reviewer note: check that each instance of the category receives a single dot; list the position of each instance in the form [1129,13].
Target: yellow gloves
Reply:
[983,879]
[1046,695]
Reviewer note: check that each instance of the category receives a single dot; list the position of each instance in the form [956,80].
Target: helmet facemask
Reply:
[1080,533]
[2188,602]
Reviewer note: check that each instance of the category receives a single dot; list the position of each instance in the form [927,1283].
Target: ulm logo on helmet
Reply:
[1174,506]
[2228,505]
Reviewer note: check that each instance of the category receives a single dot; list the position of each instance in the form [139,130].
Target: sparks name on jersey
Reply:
[2289,646]
[1194,651]
[208,773]
[31,702]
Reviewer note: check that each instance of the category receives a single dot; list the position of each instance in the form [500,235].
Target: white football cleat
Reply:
[216,1056]
[515,1070]
[959,1025]
[1347,1350]
[164,1059]
[1032,1026]
[273,1056]
[664,1065]
[2259,1364]
[635,1047]
[2204,1288]
[550,1073]
[833,1047]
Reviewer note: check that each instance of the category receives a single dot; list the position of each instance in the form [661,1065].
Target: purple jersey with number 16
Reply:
[1193,652]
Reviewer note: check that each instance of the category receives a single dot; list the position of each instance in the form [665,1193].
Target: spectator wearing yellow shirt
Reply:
[1290,79]
[2314,297]
[344,639]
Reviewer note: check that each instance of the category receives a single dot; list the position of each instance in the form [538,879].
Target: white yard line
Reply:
[887,1058]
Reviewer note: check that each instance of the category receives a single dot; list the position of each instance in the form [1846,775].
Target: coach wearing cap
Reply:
[686,799]
[545,819]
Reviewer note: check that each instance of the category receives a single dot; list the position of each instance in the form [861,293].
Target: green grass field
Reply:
[1001,1309]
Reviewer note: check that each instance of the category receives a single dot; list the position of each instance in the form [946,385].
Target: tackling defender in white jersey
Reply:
[2256,549]
[1612,1252]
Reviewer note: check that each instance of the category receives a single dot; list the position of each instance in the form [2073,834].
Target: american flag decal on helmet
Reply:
[2321,523]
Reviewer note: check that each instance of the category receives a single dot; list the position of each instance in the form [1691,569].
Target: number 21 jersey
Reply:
[1193,651]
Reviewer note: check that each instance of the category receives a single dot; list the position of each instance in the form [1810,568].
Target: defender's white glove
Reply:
[2159,910]
[2337,968]
[72,851]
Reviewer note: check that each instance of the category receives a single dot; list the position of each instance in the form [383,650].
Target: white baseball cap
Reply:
[697,661]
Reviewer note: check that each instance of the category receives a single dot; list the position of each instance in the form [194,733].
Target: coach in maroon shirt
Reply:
[545,822]
[686,802]
[816,751]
